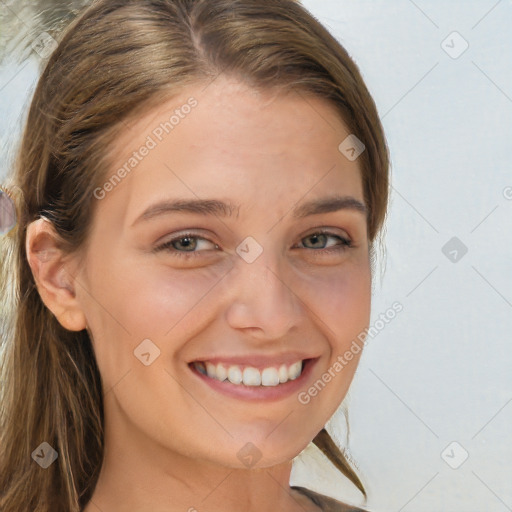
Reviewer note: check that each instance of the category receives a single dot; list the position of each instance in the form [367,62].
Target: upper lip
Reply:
[257,360]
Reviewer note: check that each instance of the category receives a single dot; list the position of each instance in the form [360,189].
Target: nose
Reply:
[261,300]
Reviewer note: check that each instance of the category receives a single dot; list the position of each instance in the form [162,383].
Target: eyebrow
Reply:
[227,209]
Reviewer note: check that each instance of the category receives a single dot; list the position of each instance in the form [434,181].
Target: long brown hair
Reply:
[116,58]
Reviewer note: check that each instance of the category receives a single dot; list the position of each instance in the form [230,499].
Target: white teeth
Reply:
[294,370]
[222,373]
[235,374]
[250,376]
[210,370]
[283,373]
[269,377]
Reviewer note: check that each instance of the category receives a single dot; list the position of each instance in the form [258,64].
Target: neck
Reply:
[140,475]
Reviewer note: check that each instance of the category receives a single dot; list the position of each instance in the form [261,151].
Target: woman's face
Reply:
[253,285]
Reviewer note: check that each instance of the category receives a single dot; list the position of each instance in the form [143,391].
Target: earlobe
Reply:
[52,274]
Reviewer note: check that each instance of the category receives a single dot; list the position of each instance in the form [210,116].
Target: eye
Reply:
[184,245]
[319,239]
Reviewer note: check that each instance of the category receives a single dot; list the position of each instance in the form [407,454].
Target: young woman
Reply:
[199,190]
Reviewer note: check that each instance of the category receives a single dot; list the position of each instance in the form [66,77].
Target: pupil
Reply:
[316,238]
[188,242]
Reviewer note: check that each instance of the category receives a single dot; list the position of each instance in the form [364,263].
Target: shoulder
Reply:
[326,503]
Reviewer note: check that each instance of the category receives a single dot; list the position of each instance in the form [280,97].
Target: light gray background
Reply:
[440,371]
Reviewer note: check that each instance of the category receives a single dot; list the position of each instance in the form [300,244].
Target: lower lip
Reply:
[259,393]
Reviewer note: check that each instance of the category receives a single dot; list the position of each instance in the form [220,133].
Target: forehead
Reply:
[228,140]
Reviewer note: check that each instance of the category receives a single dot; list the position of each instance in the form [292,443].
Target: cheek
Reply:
[129,303]
[341,307]
[151,298]
[353,302]
[342,301]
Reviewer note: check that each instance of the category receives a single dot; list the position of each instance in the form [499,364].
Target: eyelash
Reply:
[345,244]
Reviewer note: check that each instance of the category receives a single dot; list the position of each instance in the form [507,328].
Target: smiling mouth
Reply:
[249,375]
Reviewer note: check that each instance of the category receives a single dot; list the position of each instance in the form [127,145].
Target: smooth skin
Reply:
[171,442]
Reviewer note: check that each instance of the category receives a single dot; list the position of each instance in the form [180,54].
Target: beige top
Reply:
[326,503]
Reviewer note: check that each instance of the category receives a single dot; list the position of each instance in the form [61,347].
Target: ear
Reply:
[52,272]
